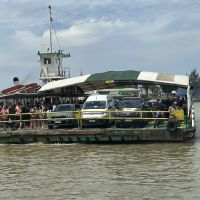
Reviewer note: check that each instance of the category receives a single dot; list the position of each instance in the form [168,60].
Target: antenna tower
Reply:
[52,68]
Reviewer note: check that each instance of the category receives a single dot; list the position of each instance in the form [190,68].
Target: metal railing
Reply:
[41,119]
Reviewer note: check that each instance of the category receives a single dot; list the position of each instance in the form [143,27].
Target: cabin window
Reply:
[59,71]
[47,61]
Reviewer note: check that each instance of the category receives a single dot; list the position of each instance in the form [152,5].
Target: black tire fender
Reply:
[50,127]
[171,125]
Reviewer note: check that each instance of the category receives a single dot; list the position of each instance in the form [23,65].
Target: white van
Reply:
[95,110]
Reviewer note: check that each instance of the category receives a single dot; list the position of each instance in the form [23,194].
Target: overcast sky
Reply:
[101,35]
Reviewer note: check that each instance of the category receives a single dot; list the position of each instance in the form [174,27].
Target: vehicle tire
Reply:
[50,127]
[74,124]
[106,124]
[82,125]
[118,125]
[171,125]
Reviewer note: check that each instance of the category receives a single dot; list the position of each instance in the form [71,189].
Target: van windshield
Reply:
[65,107]
[94,105]
[130,104]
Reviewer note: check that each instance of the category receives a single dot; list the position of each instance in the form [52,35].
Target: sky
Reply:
[101,35]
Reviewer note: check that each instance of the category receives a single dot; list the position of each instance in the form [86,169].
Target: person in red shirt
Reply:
[5,116]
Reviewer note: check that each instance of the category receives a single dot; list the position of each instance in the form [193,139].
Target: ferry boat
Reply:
[125,125]
[177,126]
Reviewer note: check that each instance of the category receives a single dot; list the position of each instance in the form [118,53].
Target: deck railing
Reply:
[41,119]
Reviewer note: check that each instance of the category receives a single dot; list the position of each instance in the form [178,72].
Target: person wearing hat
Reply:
[173,107]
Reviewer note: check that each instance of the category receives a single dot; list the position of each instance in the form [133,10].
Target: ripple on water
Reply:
[139,171]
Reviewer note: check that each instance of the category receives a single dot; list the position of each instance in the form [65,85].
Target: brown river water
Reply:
[167,171]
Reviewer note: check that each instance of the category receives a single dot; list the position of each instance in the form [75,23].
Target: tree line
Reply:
[195,82]
[195,79]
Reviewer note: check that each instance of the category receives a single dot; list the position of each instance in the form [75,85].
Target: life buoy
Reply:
[171,125]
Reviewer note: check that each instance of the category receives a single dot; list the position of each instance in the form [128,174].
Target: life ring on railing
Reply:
[172,125]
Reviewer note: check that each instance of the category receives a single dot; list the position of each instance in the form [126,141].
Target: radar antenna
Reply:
[50,28]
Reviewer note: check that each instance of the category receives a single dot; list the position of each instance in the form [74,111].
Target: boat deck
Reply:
[97,135]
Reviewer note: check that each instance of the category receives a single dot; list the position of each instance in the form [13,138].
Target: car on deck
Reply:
[63,116]
[96,110]
[127,114]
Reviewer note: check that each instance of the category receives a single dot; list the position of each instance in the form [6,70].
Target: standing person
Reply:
[53,107]
[157,121]
[5,116]
[18,110]
[25,116]
[34,117]
[173,107]
[43,116]
[12,116]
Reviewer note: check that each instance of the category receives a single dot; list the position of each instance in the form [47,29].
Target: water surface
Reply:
[165,171]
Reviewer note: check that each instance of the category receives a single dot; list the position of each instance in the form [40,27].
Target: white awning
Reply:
[64,83]
[111,79]
[164,78]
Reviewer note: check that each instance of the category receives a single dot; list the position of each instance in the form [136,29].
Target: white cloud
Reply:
[27,39]
[89,31]
[101,35]
[93,31]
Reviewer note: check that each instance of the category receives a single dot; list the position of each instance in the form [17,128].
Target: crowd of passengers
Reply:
[170,105]
[18,116]
[166,104]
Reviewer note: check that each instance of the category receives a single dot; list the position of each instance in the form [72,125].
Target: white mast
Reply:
[50,28]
